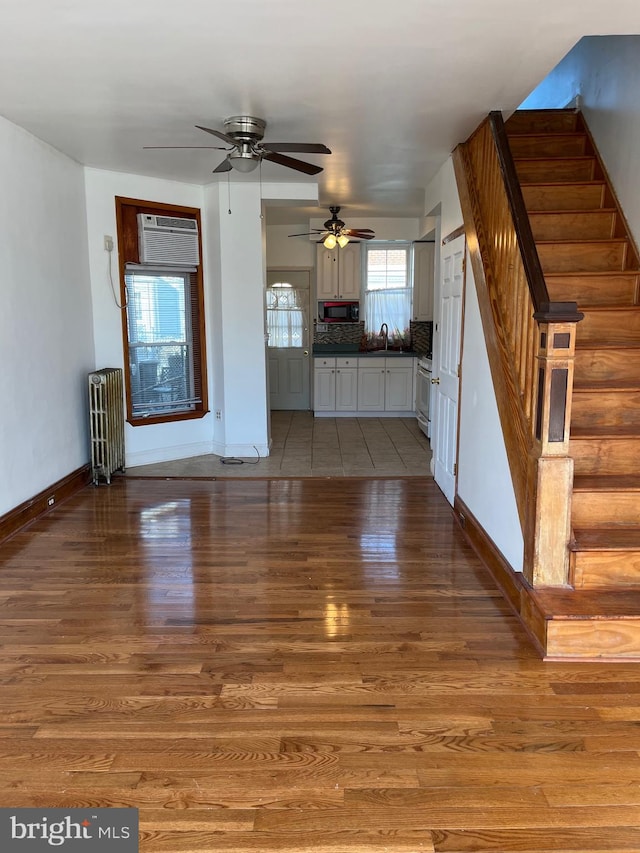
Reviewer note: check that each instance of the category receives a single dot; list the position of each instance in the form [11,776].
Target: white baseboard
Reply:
[168,454]
[244,451]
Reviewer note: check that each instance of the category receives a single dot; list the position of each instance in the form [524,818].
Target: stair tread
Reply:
[589,345]
[583,157]
[606,386]
[567,603]
[605,432]
[571,211]
[630,273]
[606,483]
[580,241]
[607,539]
[559,184]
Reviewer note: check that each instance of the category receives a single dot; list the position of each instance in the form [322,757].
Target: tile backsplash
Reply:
[339,333]
[352,333]
[422,336]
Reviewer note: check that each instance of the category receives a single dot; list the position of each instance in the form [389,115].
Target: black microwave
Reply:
[339,312]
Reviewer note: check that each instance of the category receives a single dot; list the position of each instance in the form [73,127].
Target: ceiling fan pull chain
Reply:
[229,190]
[260,179]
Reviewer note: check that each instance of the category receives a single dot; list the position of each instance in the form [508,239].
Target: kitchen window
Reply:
[388,289]
[163,332]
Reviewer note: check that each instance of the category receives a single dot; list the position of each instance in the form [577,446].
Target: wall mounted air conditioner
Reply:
[167,240]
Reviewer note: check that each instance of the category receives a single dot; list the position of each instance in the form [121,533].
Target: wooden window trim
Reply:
[127,210]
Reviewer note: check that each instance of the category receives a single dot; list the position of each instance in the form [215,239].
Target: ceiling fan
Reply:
[334,231]
[243,136]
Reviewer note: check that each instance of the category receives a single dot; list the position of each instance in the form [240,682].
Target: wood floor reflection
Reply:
[298,665]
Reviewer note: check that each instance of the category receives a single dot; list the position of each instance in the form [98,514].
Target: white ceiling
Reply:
[391,88]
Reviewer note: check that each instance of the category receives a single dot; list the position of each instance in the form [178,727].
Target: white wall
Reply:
[285,251]
[46,335]
[605,72]
[484,480]
[151,442]
[235,248]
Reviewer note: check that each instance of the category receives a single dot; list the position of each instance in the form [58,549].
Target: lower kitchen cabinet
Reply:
[335,385]
[364,385]
[398,388]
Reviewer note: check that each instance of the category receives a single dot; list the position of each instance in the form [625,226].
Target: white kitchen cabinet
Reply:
[399,387]
[384,385]
[335,385]
[364,385]
[423,273]
[338,272]
[324,389]
[371,384]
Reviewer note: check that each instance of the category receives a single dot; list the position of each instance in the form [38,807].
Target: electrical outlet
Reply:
[108,243]
[218,415]
[51,500]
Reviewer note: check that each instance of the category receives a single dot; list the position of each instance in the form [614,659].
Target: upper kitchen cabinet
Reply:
[338,272]
[423,261]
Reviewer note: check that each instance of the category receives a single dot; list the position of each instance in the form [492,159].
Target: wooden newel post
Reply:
[549,507]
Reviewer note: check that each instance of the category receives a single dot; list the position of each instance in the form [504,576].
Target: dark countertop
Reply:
[341,350]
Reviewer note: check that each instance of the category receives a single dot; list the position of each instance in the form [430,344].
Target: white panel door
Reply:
[288,295]
[446,379]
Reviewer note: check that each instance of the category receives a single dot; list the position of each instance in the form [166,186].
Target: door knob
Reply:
[306,352]
[435,381]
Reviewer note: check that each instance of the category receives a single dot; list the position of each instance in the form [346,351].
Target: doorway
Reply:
[288,298]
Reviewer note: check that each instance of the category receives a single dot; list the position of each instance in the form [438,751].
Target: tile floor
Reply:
[304,446]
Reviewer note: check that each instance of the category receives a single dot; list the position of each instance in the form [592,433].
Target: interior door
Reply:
[287,312]
[446,367]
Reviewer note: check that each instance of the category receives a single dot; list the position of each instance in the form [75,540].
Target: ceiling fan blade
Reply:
[299,147]
[223,136]
[225,166]
[307,233]
[209,147]
[359,233]
[292,163]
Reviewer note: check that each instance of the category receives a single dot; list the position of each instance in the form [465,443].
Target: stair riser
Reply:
[563,197]
[548,145]
[619,325]
[533,171]
[606,456]
[606,365]
[591,639]
[598,569]
[603,256]
[605,408]
[542,121]
[586,289]
[604,509]
[588,225]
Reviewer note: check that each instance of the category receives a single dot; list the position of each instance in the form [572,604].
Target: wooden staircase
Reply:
[588,256]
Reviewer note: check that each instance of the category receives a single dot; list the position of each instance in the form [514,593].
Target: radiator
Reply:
[106,415]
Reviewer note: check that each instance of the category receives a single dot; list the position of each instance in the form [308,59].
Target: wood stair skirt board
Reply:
[588,256]
[39,504]
[563,624]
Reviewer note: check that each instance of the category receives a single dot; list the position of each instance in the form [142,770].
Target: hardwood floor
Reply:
[299,665]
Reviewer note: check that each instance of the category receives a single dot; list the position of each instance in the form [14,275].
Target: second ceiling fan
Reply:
[336,233]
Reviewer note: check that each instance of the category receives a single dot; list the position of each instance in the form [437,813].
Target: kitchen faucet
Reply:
[384,333]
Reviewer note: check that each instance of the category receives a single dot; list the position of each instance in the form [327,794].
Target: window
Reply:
[162,330]
[388,289]
[286,321]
